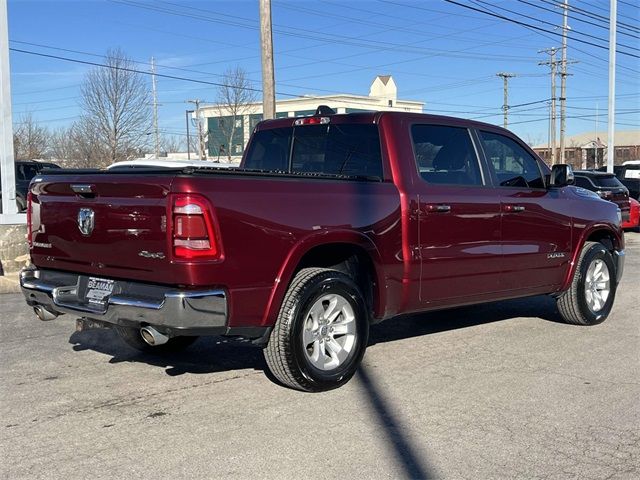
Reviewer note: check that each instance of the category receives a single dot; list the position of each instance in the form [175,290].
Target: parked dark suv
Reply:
[607,186]
[25,171]
[629,176]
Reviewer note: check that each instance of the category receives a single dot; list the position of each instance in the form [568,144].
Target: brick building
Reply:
[589,150]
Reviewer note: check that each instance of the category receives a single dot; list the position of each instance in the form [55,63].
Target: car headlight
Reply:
[619,212]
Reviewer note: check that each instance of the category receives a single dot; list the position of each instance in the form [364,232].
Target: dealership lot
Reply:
[490,391]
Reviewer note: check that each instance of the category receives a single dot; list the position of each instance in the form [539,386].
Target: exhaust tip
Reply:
[153,337]
[43,314]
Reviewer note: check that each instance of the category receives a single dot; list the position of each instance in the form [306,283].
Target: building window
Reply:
[391,103]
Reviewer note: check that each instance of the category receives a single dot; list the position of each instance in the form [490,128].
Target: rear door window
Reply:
[445,155]
[513,165]
[333,149]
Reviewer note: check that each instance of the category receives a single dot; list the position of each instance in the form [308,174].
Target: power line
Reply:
[512,20]
[599,25]
[602,18]
[595,37]
[315,35]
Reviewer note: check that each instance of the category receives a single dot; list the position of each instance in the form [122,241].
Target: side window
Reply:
[445,155]
[513,165]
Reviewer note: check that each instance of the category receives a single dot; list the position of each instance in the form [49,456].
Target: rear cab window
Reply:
[330,149]
[512,164]
[445,155]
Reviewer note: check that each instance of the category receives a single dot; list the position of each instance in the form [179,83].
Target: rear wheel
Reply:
[589,299]
[133,338]
[321,332]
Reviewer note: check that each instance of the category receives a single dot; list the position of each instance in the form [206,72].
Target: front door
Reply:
[536,225]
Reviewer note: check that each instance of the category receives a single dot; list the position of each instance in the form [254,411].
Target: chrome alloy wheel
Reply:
[329,332]
[597,285]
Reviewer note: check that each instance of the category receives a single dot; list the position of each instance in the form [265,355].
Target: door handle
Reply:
[437,208]
[514,208]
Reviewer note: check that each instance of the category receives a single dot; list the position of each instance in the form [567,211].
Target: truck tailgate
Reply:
[128,235]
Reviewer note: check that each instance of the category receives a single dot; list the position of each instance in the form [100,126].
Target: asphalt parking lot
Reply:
[494,391]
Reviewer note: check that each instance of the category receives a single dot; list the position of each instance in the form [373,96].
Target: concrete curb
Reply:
[10,283]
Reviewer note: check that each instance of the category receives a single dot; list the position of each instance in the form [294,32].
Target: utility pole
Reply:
[563,78]
[611,148]
[155,107]
[505,105]
[201,147]
[7,164]
[268,80]
[186,114]
[553,64]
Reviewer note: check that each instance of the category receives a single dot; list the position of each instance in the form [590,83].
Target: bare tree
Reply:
[30,139]
[235,96]
[116,104]
[172,143]
[79,146]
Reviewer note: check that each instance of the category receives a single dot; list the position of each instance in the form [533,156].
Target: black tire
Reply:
[288,358]
[132,337]
[573,303]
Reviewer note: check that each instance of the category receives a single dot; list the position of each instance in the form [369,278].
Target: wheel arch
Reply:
[347,251]
[602,233]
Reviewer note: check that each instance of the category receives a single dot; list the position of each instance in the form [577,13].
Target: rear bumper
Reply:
[171,310]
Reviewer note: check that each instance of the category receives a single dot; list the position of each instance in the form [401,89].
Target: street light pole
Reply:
[611,148]
[7,164]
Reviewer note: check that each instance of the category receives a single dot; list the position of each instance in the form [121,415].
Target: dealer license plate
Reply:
[98,290]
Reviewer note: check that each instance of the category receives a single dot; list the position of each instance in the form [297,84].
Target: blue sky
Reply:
[440,53]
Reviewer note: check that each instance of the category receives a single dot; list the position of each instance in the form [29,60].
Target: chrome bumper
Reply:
[619,256]
[131,303]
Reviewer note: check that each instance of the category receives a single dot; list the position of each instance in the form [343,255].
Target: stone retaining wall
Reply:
[14,252]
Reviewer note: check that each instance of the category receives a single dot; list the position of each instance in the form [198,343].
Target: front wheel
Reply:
[321,332]
[589,299]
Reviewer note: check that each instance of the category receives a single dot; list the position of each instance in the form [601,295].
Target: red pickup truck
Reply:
[331,223]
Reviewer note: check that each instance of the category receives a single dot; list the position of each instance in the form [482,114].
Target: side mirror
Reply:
[562,175]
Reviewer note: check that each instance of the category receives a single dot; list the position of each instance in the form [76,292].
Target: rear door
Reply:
[536,224]
[458,218]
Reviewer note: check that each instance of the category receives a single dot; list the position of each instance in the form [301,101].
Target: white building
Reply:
[383,95]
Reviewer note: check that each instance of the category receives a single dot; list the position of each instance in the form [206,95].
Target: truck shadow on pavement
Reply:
[415,325]
[217,354]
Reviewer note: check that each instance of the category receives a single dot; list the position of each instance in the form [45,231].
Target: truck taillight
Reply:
[29,219]
[193,233]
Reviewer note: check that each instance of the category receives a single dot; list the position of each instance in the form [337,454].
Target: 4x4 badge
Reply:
[86,221]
